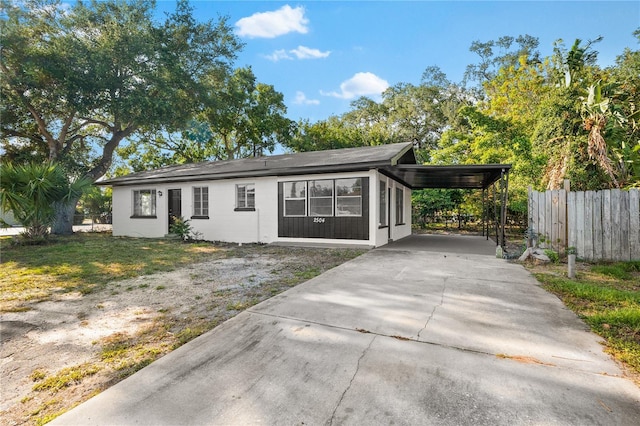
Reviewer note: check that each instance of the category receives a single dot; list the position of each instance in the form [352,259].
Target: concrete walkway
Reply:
[396,336]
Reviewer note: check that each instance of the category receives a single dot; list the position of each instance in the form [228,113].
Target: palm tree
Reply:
[597,111]
[30,190]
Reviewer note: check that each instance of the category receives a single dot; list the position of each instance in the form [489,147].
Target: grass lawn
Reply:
[607,297]
[86,262]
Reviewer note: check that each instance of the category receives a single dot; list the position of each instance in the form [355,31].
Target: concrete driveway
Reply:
[396,336]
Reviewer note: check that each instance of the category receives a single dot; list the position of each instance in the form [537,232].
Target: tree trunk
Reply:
[64,212]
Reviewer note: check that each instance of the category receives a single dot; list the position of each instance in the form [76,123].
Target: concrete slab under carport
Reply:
[446,243]
[393,336]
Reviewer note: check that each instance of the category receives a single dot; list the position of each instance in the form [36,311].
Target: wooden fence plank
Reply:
[580,224]
[562,220]
[616,235]
[624,226]
[571,219]
[535,218]
[596,207]
[607,237]
[634,224]
[548,222]
[588,225]
[541,219]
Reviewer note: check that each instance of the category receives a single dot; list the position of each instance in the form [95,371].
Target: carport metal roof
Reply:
[472,176]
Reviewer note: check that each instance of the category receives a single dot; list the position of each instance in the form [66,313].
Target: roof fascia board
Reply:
[454,167]
[388,173]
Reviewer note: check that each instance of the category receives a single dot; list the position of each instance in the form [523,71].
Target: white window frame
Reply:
[139,206]
[383,220]
[318,197]
[200,201]
[399,206]
[245,203]
[345,197]
[288,198]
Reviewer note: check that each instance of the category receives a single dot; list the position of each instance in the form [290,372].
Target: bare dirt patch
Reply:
[64,350]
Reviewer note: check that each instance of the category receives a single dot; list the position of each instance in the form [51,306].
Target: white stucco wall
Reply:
[391,231]
[261,225]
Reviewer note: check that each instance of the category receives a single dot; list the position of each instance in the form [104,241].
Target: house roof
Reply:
[395,160]
[335,160]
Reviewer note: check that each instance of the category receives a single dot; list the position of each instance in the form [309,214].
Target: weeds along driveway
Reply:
[393,336]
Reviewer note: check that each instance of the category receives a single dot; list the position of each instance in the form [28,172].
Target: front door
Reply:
[175,205]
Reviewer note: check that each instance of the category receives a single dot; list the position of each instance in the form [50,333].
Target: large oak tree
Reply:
[76,81]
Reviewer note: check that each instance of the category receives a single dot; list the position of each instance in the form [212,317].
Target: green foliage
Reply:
[239,117]
[65,377]
[430,204]
[96,202]
[182,228]
[621,271]
[76,81]
[407,113]
[30,190]
[552,255]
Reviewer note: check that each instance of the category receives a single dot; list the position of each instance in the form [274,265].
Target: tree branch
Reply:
[65,127]
[104,124]
[107,153]
[11,132]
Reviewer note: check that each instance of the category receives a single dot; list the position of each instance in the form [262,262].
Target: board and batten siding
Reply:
[327,227]
[601,225]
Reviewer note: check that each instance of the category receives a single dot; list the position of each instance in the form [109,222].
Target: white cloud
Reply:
[301,99]
[361,84]
[273,24]
[278,55]
[302,52]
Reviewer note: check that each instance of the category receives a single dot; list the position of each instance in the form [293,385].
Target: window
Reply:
[348,197]
[200,202]
[321,198]
[327,197]
[383,203]
[399,206]
[144,203]
[295,198]
[245,197]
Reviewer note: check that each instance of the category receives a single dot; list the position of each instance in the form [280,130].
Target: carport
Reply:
[492,179]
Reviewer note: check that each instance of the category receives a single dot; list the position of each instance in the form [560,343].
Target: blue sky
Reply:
[321,55]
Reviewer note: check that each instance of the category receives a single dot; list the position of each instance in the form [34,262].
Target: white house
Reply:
[358,196]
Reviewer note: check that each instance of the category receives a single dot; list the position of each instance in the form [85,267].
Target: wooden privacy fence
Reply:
[601,225]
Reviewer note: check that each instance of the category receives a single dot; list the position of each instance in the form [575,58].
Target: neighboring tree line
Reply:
[85,84]
[553,118]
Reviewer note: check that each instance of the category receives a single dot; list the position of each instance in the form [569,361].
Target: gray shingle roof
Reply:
[336,160]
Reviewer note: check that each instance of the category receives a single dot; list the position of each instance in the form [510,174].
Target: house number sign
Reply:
[318,220]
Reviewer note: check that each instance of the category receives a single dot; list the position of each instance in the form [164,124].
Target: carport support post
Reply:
[496,221]
[504,185]
[484,213]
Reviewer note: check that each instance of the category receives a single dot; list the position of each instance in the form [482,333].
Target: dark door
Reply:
[175,205]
